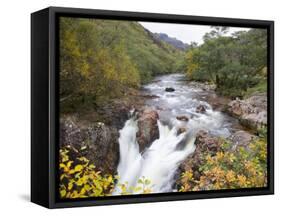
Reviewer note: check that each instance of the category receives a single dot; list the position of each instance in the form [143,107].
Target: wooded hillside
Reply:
[236,64]
[100,59]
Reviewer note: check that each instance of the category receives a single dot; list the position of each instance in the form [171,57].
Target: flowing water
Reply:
[160,161]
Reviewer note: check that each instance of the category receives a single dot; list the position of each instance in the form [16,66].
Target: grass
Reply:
[259,88]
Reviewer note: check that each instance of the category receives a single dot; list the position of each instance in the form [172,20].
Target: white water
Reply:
[160,161]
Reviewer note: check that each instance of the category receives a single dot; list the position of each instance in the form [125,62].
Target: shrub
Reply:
[242,168]
[236,64]
[143,187]
[80,179]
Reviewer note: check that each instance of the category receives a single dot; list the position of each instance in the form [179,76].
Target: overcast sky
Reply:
[185,33]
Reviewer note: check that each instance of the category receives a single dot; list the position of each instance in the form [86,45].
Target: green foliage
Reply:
[262,132]
[234,63]
[101,59]
[93,66]
[260,87]
[242,168]
[143,187]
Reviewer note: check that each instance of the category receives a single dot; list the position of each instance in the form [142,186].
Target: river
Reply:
[160,161]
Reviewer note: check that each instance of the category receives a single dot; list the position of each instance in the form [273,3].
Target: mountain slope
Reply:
[171,40]
[101,59]
[150,55]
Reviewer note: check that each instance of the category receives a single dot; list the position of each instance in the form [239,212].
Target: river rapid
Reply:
[160,161]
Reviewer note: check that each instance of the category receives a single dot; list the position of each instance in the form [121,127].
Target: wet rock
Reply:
[206,142]
[182,118]
[150,96]
[201,109]
[169,89]
[236,108]
[97,142]
[181,130]
[147,128]
[114,113]
[251,112]
[218,102]
[94,134]
[70,134]
[241,138]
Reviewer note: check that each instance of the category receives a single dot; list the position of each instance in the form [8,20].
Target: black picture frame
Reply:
[45,107]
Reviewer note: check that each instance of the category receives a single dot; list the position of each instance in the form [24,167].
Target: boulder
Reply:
[150,96]
[147,128]
[97,142]
[181,130]
[201,109]
[251,112]
[169,89]
[70,134]
[206,142]
[241,138]
[254,120]
[114,113]
[182,118]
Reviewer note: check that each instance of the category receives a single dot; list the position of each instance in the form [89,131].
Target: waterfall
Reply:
[158,163]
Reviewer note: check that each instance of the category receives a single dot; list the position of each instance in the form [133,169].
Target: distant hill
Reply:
[150,55]
[172,41]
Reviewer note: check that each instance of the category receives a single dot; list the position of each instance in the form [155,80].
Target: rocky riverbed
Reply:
[184,106]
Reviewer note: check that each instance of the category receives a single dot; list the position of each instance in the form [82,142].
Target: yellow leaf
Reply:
[78,168]
[71,171]
[82,191]
[91,166]
[70,185]
[230,176]
[62,193]
[87,187]
[69,163]
[110,179]
[62,165]
[62,176]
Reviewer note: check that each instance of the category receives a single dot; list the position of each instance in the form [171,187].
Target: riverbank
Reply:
[192,109]
[94,133]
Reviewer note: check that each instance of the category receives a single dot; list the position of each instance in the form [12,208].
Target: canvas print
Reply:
[149,108]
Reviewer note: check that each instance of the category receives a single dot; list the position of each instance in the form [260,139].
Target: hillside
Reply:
[151,56]
[100,59]
[172,41]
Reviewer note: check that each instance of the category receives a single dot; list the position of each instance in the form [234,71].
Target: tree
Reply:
[101,59]
[234,63]
[217,31]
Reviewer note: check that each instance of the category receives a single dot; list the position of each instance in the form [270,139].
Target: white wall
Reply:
[15,106]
